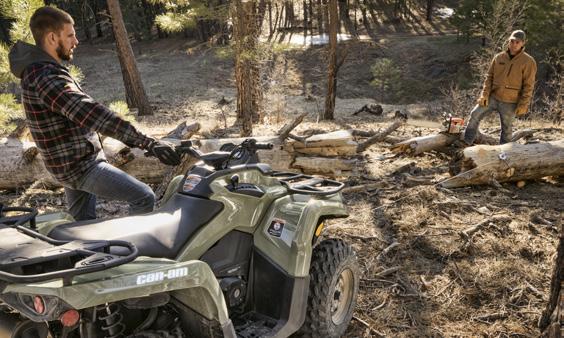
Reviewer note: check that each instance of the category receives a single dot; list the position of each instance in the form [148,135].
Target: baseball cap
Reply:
[518,34]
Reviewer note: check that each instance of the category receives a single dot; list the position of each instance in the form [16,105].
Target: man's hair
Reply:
[48,19]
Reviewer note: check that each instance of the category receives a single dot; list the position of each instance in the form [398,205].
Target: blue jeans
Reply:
[506,112]
[110,183]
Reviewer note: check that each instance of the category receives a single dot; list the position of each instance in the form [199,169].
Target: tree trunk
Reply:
[326,17]
[505,163]
[429,14]
[247,76]
[270,31]
[332,67]
[135,91]
[320,17]
[305,20]
[310,11]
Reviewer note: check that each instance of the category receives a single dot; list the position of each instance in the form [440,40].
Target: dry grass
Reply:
[495,285]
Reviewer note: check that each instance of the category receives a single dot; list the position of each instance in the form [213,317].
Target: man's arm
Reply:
[487,87]
[58,91]
[529,75]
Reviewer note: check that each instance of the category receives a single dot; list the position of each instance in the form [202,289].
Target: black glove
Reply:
[165,152]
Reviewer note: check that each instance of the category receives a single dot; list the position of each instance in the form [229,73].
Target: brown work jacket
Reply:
[511,80]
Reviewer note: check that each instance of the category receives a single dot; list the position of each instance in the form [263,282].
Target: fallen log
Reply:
[326,166]
[488,139]
[184,131]
[328,151]
[337,143]
[21,164]
[340,138]
[509,162]
[387,139]
[421,144]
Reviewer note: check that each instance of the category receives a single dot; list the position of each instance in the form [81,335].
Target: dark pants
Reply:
[110,183]
[506,113]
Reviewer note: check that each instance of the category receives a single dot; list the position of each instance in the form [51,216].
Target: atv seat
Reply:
[161,233]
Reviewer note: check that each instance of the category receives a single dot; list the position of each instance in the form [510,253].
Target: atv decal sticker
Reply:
[161,275]
[276,227]
[191,182]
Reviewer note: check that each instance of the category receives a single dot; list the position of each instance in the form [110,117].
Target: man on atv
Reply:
[64,122]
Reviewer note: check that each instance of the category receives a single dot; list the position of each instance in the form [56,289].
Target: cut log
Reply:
[327,166]
[328,151]
[340,138]
[21,165]
[509,162]
[488,139]
[184,131]
[421,144]
[387,139]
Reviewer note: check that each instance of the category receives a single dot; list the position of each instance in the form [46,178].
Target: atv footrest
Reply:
[254,325]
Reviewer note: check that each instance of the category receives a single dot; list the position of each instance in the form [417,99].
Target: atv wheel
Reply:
[334,278]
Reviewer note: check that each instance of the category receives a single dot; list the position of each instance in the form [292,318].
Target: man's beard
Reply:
[62,54]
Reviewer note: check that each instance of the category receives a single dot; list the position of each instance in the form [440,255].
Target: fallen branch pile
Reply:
[333,154]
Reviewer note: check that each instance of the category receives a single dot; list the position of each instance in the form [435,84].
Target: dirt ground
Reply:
[441,285]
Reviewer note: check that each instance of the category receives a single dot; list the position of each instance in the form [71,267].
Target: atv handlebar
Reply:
[264,146]
[229,154]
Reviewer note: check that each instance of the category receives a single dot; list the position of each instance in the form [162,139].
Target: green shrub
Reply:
[9,111]
[387,76]
[121,108]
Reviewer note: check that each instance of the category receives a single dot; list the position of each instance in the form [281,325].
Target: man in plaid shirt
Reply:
[64,122]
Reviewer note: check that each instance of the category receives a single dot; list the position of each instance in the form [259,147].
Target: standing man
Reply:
[64,122]
[508,88]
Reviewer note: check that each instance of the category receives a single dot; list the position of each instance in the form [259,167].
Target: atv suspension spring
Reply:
[111,315]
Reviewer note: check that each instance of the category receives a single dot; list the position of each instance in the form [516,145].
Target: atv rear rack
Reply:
[306,184]
[26,256]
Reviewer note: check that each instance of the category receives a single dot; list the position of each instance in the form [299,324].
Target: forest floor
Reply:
[494,285]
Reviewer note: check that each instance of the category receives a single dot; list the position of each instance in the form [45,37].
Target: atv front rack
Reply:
[306,184]
[26,256]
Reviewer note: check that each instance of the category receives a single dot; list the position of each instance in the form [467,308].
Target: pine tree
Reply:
[19,12]
[209,18]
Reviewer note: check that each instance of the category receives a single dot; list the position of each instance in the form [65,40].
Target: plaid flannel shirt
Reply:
[63,121]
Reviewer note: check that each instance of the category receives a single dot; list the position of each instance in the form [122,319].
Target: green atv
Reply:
[232,252]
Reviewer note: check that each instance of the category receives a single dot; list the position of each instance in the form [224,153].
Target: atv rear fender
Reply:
[191,282]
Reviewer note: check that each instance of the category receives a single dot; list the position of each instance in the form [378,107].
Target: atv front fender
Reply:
[191,282]
[291,247]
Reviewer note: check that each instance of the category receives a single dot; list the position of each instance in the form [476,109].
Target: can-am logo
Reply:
[161,275]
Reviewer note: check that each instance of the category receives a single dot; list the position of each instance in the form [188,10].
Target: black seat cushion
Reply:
[161,233]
